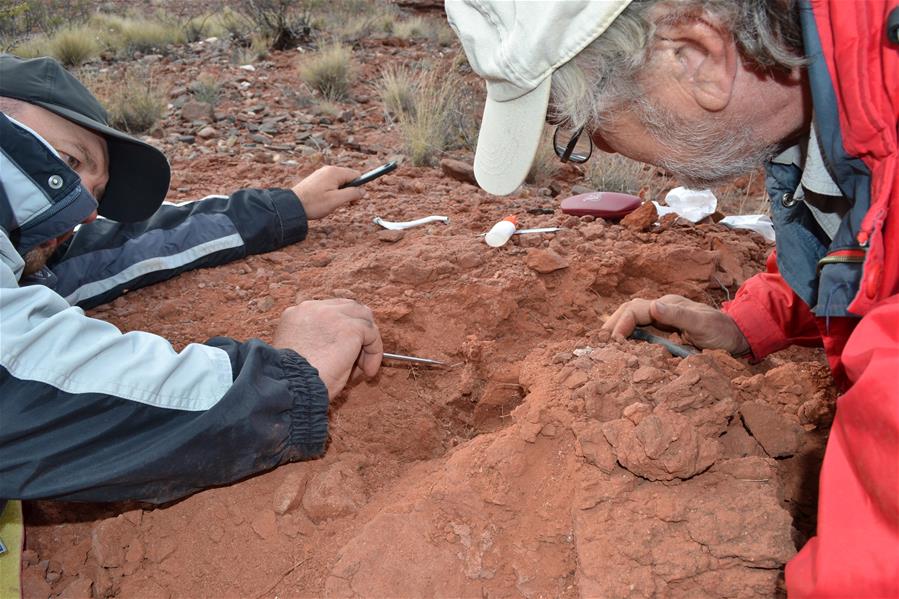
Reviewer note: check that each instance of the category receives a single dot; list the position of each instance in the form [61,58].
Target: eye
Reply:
[72,162]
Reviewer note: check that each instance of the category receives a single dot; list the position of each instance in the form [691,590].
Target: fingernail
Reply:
[661,308]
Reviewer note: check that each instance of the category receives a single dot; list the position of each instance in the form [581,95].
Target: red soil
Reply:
[548,461]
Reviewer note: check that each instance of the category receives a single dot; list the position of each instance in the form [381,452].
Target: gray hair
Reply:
[604,75]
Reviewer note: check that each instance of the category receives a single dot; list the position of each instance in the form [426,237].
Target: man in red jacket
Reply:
[710,89]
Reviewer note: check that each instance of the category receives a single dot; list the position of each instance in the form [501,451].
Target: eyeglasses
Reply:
[567,153]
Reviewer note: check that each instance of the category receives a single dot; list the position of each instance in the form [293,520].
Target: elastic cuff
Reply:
[309,413]
[761,331]
[294,224]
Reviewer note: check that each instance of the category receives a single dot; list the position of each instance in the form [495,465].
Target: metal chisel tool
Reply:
[413,359]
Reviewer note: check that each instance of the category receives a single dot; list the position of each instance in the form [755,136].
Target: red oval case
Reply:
[603,204]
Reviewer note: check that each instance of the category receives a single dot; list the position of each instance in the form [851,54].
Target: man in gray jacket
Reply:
[89,413]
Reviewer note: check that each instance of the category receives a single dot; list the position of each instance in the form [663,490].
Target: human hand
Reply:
[337,336]
[319,194]
[700,325]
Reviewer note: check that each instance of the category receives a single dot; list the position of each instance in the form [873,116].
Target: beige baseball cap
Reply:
[516,45]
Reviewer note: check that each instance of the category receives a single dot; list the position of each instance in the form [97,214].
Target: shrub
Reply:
[198,28]
[229,23]
[430,127]
[21,18]
[135,104]
[613,172]
[397,90]
[142,35]
[126,35]
[74,46]
[416,27]
[206,89]
[279,21]
[330,71]
[39,45]
[444,35]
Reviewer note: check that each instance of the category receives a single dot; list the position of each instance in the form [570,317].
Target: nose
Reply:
[96,184]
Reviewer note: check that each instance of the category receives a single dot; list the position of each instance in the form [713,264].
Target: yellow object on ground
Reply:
[12,533]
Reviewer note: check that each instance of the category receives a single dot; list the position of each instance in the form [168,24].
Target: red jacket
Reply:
[856,551]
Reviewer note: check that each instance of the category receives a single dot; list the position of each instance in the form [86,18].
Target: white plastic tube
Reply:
[501,232]
[409,223]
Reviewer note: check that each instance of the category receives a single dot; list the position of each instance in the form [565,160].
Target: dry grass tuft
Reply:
[126,36]
[73,46]
[397,90]
[414,28]
[612,172]
[134,102]
[206,89]
[330,71]
[431,126]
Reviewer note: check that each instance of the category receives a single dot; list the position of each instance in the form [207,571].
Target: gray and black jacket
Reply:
[88,413]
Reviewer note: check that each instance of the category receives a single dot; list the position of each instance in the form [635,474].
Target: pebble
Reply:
[641,219]
[778,436]
[207,132]
[195,111]
[545,261]
[391,236]
[458,170]
[289,493]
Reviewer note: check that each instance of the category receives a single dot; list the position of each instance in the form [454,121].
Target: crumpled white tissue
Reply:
[691,204]
[760,223]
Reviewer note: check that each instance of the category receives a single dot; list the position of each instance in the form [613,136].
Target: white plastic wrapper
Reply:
[691,204]
[760,223]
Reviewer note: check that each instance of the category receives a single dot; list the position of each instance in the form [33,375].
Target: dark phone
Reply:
[370,175]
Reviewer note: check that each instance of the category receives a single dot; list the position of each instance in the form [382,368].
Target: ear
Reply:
[702,58]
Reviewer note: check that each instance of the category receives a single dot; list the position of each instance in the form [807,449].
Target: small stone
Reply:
[265,303]
[289,493]
[108,541]
[576,379]
[555,188]
[641,219]
[778,436]
[594,447]
[579,189]
[637,411]
[320,259]
[207,132]
[187,139]
[269,127]
[545,261]
[335,492]
[265,525]
[458,170]
[196,111]
[411,272]
[391,236]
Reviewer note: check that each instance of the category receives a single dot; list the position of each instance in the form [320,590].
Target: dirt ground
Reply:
[547,461]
